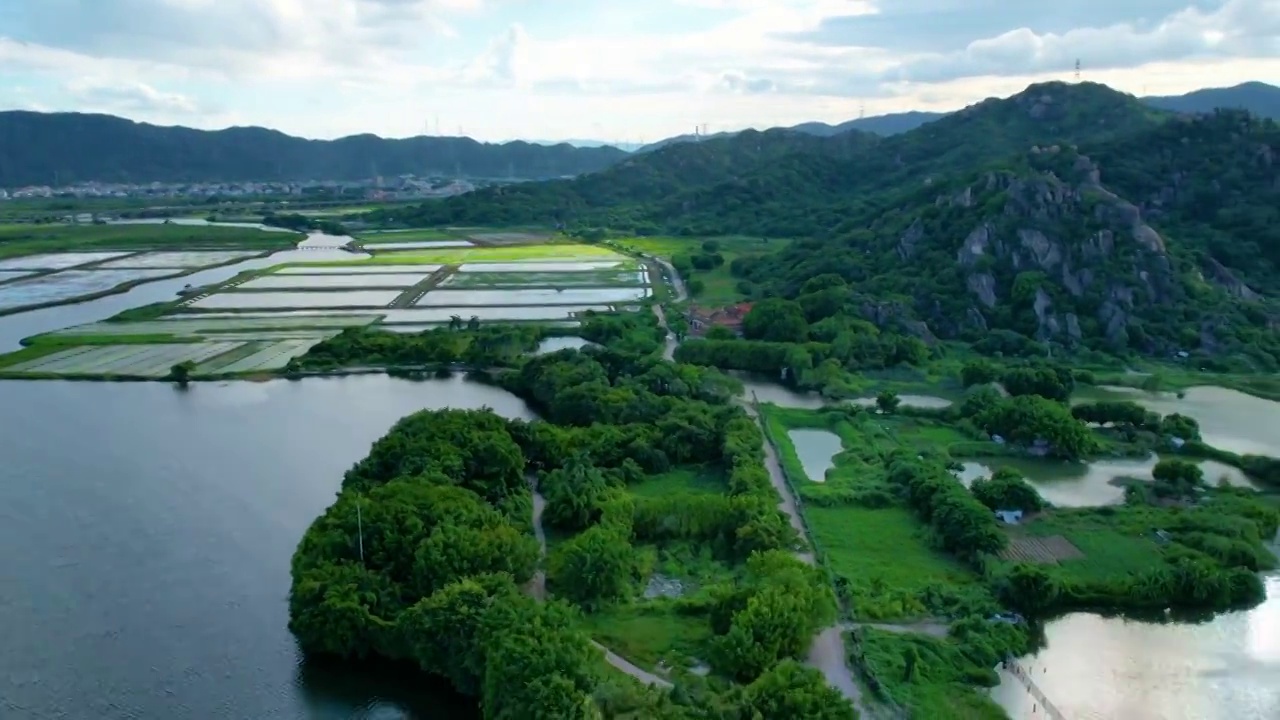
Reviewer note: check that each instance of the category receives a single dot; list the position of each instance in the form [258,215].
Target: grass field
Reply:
[647,632]
[941,685]
[719,286]
[1114,544]
[886,556]
[866,537]
[697,481]
[27,239]
[410,235]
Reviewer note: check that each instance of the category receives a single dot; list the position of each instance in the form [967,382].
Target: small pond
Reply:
[817,450]
[917,401]
[1089,484]
[1229,419]
[553,344]
[768,391]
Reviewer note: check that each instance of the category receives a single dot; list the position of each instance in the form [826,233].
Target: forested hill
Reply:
[1160,242]
[63,148]
[788,183]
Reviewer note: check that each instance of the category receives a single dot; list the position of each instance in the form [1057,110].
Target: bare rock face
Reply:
[1048,326]
[912,237]
[984,286]
[1074,333]
[974,319]
[1046,253]
[975,245]
[1224,278]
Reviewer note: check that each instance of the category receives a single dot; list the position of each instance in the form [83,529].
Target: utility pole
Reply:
[360,529]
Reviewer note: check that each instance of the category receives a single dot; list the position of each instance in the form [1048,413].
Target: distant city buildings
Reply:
[405,187]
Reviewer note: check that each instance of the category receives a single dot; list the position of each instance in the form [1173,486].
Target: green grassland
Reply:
[29,239]
[413,235]
[694,481]
[719,287]
[877,549]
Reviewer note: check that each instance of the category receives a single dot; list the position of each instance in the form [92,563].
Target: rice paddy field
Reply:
[257,321]
[69,284]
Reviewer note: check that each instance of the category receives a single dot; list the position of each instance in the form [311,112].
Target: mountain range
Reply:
[65,148]
[1068,214]
[1258,98]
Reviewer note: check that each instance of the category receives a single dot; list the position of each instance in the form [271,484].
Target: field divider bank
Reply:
[413,294]
[818,557]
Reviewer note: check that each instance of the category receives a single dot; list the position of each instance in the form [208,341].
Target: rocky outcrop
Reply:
[984,286]
[975,245]
[912,237]
[1219,275]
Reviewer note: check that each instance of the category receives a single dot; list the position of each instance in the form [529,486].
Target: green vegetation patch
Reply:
[702,480]
[28,239]
[706,264]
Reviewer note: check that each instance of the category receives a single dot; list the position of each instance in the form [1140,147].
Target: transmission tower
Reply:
[1077,69]
[862,110]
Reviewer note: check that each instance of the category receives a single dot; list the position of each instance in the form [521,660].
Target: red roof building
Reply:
[703,319]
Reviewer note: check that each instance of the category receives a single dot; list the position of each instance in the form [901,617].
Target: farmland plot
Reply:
[553,265]
[218,323]
[357,280]
[590,278]
[56,261]
[272,357]
[419,245]
[136,360]
[490,314]
[178,259]
[354,269]
[549,296]
[14,274]
[69,284]
[268,300]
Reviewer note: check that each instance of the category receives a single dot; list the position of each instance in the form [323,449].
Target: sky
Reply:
[633,71]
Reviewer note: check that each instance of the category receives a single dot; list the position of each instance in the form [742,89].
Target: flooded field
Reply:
[549,265]
[15,274]
[56,261]
[467,298]
[338,299]
[287,282]
[178,259]
[69,284]
[354,269]
[588,278]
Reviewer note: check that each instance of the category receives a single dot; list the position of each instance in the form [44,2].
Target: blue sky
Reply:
[617,71]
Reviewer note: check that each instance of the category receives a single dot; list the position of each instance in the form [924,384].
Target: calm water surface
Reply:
[147,533]
[817,450]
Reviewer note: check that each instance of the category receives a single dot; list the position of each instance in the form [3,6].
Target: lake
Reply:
[148,532]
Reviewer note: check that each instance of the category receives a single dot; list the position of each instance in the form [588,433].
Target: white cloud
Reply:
[498,68]
[131,97]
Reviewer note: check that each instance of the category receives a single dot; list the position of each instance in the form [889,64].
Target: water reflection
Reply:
[817,450]
[1104,668]
[1093,483]
[1229,419]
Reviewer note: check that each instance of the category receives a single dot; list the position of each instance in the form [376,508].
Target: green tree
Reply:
[888,401]
[978,372]
[789,691]
[1031,589]
[594,568]
[1007,490]
[181,373]
[776,320]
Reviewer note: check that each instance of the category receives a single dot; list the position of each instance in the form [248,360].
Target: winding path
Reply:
[537,587]
[827,653]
